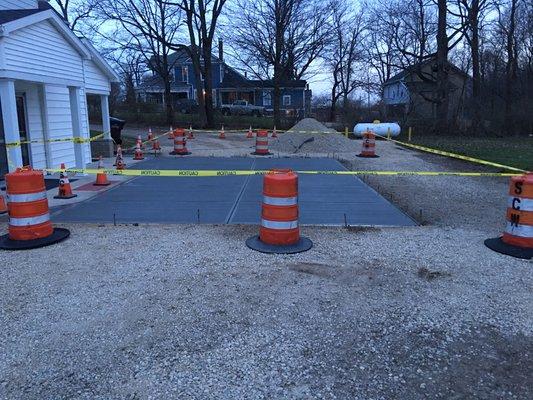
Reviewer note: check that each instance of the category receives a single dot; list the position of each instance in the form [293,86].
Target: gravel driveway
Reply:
[188,312]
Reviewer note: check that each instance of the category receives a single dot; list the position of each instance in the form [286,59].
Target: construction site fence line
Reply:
[77,140]
[452,155]
[220,173]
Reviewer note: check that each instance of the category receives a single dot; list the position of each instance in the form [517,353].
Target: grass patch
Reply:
[513,151]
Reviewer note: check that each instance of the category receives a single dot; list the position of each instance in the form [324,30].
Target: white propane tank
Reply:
[379,128]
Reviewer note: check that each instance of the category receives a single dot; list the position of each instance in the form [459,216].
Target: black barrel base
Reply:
[66,197]
[499,246]
[362,156]
[57,236]
[261,154]
[256,244]
[173,153]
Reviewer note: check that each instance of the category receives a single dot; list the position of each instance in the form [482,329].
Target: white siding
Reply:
[35,127]
[59,120]
[17,4]
[34,122]
[41,50]
[95,80]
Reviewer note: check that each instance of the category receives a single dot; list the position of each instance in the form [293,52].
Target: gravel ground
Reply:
[188,312]
[366,314]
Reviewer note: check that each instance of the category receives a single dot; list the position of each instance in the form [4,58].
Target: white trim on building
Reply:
[45,63]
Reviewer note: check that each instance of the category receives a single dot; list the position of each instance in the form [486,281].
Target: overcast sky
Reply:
[318,80]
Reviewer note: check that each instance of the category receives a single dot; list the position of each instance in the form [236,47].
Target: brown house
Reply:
[409,94]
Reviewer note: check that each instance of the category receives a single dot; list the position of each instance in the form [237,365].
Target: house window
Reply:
[287,100]
[185,74]
[267,98]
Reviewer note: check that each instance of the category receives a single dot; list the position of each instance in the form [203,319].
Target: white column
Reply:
[8,101]
[104,102]
[78,126]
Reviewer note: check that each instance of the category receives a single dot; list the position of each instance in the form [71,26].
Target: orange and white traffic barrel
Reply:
[261,144]
[280,231]
[517,239]
[369,145]
[180,143]
[29,217]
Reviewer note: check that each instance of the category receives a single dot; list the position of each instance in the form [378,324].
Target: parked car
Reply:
[242,107]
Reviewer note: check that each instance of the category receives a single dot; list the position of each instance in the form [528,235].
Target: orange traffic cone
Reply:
[65,190]
[170,135]
[101,177]
[250,134]
[138,152]
[274,133]
[150,135]
[3,206]
[157,146]
[222,134]
[190,134]
[119,162]
[139,142]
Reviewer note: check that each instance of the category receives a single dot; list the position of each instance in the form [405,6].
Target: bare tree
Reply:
[201,18]
[279,39]
[148,27]
[507,17]
[472,14]
[75,12]
[343,51]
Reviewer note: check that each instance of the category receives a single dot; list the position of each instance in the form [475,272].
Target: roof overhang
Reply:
[101,62]
[55,20]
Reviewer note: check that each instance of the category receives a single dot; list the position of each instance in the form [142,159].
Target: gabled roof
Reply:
[101,62]
[417,67]
[182,56]
[233,79]
[155,83]
[12,20]
[45,15]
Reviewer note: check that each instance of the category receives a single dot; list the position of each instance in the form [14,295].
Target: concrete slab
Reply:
[324,199]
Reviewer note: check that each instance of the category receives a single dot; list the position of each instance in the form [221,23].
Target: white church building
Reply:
[46,73]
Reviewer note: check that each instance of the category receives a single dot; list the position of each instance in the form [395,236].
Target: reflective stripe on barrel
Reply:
[23,198]
[519,228]
[279,215]
[41,219]
[29,216]
[261,142]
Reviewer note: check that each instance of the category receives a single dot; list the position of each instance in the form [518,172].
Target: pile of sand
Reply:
[310,136]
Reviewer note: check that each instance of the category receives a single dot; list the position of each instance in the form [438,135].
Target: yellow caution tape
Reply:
[452,155]
[77,140]
[223,172]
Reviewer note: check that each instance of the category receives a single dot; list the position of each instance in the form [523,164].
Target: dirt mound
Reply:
[310,136]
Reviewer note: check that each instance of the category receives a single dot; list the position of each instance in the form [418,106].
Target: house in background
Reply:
[46,73]
[408,94]
[228,86]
